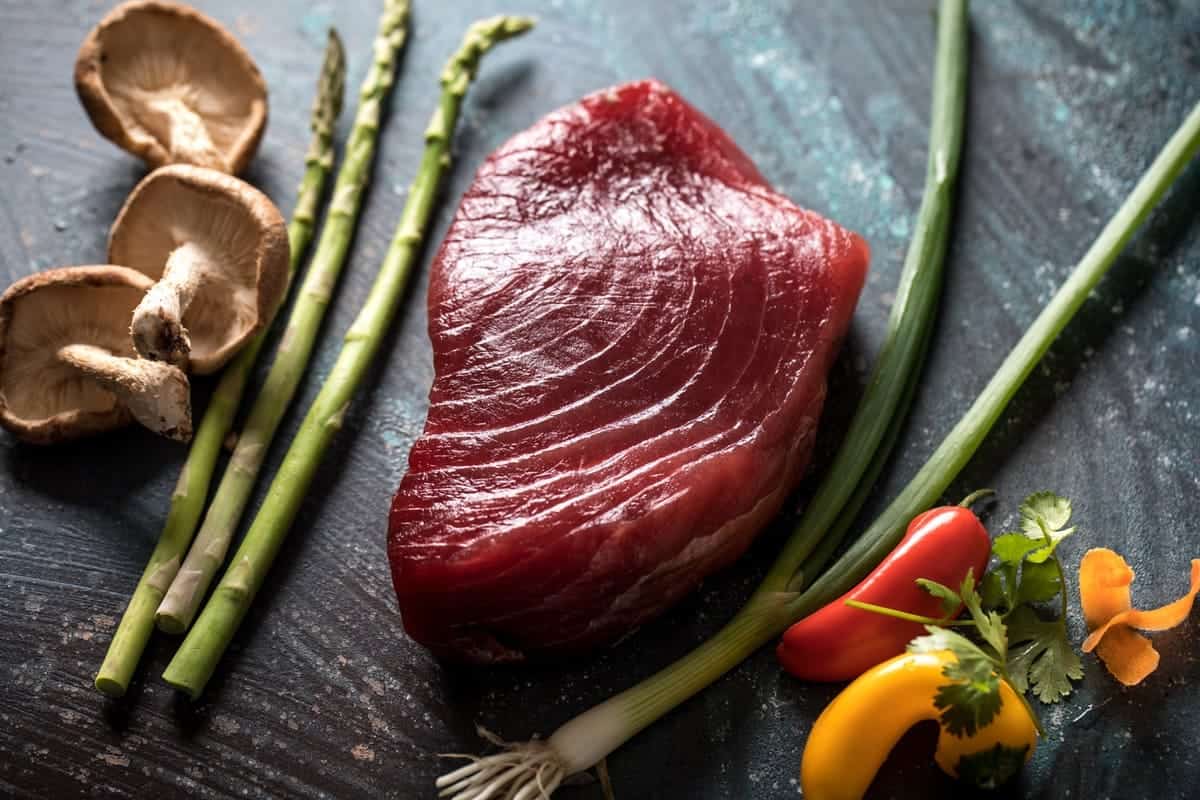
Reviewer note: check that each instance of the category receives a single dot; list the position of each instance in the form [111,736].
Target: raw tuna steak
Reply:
[631,332]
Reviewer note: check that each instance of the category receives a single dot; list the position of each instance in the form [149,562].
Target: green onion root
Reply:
[613,722]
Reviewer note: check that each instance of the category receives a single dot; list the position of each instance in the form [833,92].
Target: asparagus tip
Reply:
[518,25]
[337,49]
[330,88]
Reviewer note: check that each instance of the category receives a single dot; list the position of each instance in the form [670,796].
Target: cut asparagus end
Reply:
[187,501]
[110,686]
[156,394]
[182,601]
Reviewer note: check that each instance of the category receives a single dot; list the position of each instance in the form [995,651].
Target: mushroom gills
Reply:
[170,85]
[218,248]
[155,393]
[67,366]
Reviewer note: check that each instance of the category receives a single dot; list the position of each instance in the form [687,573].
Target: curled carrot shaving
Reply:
[1104,580]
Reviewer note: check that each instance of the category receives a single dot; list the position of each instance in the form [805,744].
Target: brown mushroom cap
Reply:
[235,242]
[170,85]
[45,396]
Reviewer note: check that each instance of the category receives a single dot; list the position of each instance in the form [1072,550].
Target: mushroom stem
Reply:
[212,542]
[157,329]
[156,394]
[187,137]
[187,501]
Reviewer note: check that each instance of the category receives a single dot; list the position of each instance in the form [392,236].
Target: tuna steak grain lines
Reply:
[631,333]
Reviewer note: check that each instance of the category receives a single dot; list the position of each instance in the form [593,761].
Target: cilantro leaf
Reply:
[1039,582]
[967,590]
[1011,548]
[992,590]
[1044,552]
[971,699]
[967,706]
[971,664]
[1052,672]
[1041,554]
[940,638]
[1042,657]
[1045,513]
[970,596]
[989,624]
[951,601]
[1019,658]
[994,632]
[990,769]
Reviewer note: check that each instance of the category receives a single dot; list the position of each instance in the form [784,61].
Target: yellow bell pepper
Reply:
[855,733]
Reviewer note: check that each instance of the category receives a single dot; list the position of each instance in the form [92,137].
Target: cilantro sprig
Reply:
[1015,637]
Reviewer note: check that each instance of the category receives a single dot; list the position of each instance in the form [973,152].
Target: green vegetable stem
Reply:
[589,737]
[187,501]
[197,657]
[207,553]
[888,396]
[1015,643]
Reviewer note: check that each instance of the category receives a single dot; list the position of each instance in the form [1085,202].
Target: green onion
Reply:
[534,769]
[965,438]
[889,392]
[870,438]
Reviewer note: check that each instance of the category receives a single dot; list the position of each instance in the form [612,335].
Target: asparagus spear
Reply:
[183,599]
[197,657]
[187,501]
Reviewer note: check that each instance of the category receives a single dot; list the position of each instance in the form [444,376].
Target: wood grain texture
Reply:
[323,696]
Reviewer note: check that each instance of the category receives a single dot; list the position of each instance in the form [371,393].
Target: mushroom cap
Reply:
[43,400]
[149,52]
[240,232]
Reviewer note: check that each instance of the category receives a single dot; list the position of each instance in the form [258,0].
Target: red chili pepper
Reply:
[839,643]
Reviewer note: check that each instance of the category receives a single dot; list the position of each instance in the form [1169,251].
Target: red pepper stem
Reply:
[904,615]
[970,499]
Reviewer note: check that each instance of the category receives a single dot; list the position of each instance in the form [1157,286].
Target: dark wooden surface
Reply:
[322,694]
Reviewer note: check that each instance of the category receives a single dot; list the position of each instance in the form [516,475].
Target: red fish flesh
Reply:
[631,333]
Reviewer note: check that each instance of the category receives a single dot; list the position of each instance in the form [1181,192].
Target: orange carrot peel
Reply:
[1104,579]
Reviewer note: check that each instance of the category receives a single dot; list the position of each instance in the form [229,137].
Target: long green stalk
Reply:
[913,311]
[760,622]
[965,438]
[591,736]
[873,432]
[207,553]
[197,657]
[187,501]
